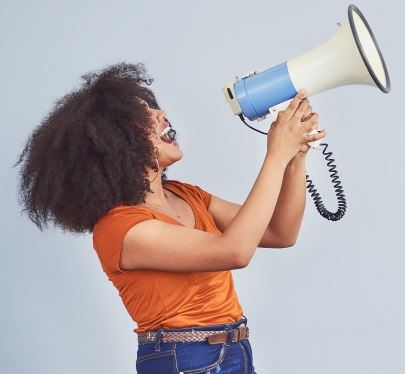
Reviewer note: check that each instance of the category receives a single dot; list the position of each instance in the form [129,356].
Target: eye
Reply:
[143,102]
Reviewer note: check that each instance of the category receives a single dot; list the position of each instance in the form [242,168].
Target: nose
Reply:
[161,114]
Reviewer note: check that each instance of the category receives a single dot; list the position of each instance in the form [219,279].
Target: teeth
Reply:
[165,131]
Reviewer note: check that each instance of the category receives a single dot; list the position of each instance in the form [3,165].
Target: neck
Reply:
[158,194]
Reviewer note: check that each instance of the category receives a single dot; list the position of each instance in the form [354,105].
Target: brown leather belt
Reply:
[213,337]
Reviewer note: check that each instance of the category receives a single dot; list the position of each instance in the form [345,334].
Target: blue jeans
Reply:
[198,357]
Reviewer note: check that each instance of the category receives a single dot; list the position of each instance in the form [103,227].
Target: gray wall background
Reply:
[331,304]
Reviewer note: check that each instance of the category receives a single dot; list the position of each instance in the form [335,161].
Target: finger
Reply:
[292,107]
[307,114]
[314,137]
[301,110]
[311,122]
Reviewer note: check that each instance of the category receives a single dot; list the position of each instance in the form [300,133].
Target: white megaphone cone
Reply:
[350,57]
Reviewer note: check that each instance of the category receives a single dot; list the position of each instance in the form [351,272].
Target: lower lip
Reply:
[174,143]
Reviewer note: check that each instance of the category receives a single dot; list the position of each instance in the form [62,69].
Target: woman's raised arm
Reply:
[157,245]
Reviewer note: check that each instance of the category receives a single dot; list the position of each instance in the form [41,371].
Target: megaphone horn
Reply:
[351,56]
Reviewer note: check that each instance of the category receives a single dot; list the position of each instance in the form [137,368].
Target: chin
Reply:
[165,160]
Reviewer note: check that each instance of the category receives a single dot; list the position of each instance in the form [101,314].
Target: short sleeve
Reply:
[109,233]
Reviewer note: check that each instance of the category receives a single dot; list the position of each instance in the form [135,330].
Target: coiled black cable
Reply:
[337,185]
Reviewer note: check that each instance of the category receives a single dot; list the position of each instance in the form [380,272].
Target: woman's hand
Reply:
[288,135]
[307,115]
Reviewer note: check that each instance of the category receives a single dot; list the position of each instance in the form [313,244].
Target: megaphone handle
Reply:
[337,187]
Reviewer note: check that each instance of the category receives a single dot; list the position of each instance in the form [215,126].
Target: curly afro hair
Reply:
[91,152]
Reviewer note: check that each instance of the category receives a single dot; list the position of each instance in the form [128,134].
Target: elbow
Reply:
[283,244]
[280,244]
[235,255]
[240,264]
[240,261]
[289,243]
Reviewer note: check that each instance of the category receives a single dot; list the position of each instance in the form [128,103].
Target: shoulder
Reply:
[113,226]
[110,230]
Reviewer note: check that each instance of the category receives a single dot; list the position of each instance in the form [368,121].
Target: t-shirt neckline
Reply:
[182,196]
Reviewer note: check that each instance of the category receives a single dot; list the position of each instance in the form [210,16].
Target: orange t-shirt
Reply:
[159,299]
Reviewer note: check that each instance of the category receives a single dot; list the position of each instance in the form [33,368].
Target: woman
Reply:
[97,164]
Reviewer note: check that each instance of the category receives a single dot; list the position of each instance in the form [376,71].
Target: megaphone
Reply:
[350,57]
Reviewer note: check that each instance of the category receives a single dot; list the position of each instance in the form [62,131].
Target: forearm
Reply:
[287,218]
[249,224]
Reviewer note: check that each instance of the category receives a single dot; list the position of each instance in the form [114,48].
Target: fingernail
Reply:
[303,91]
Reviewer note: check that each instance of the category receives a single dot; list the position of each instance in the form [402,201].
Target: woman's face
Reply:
[168,149]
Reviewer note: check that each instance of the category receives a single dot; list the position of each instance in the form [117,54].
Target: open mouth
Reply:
[168,135]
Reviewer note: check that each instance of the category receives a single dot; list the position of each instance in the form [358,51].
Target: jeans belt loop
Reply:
[158,337]
[230,337]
